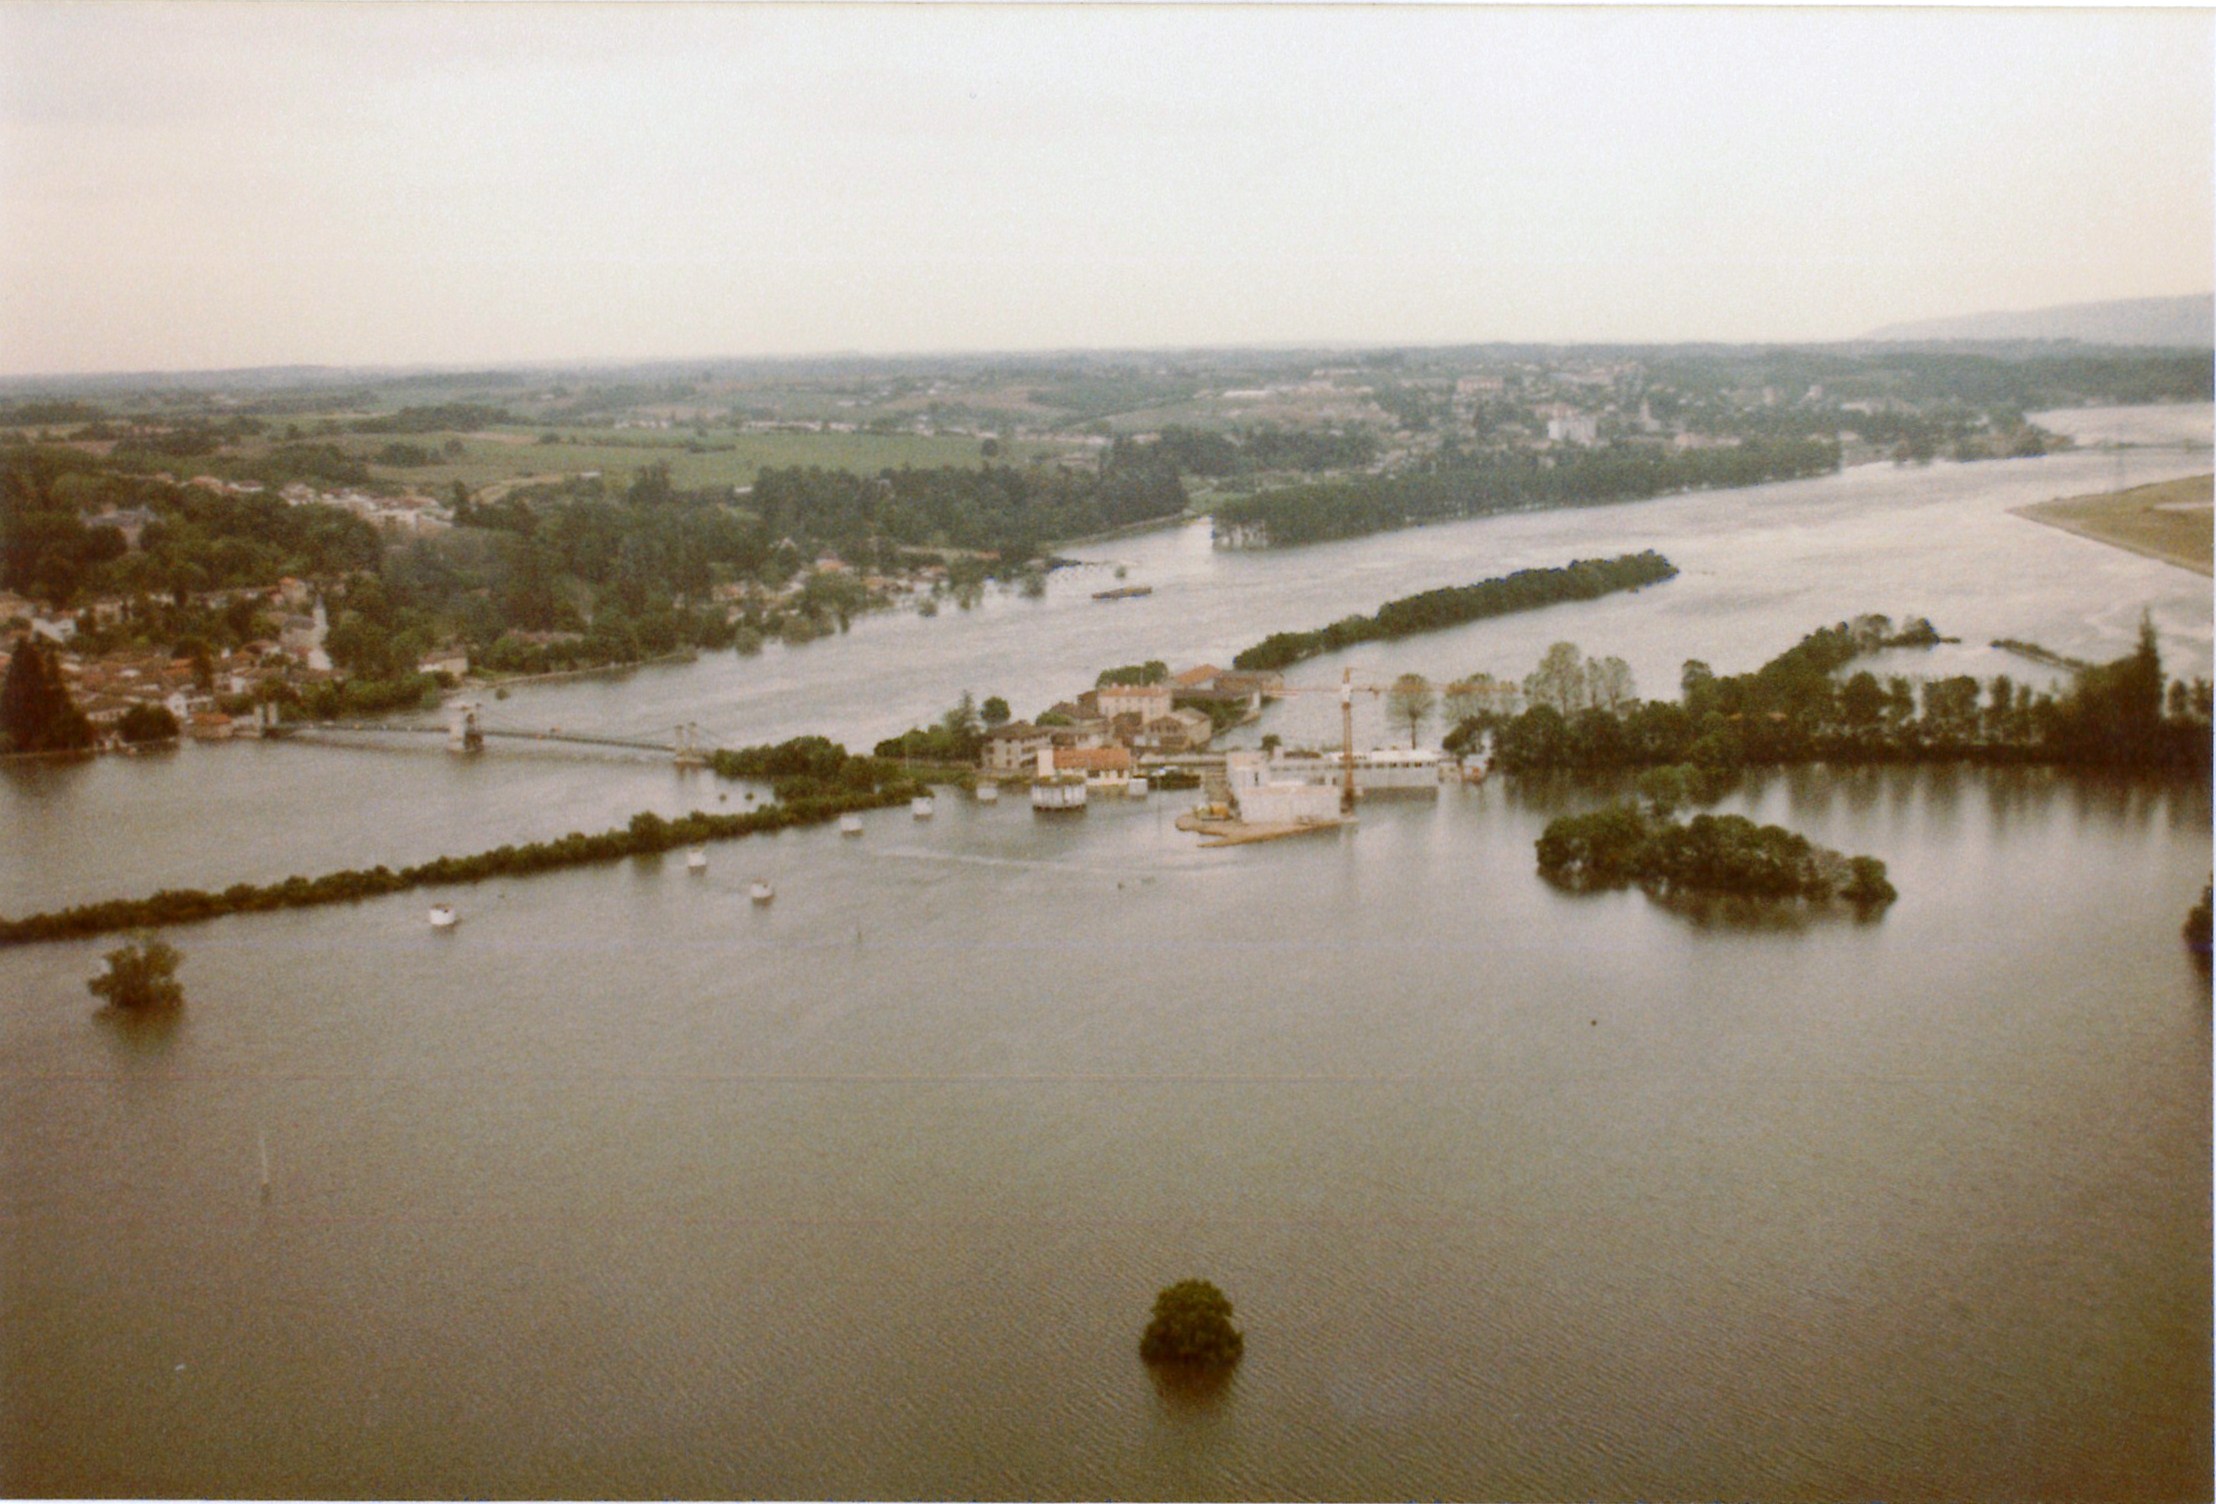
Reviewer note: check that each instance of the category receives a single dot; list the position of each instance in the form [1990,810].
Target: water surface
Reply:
[630,1187]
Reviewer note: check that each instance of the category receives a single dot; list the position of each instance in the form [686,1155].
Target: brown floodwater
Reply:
[630,1187]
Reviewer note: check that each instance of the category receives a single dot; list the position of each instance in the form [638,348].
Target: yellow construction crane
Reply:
[1346,689]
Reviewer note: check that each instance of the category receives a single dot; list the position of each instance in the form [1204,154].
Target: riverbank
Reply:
[2169,520]
[484,679]
[1129,530]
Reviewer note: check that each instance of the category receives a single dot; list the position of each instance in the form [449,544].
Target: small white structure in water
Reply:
[920,806]
[443,916]
[760,890]
[988,793]
[850,825]
[697,859]
[1054,792]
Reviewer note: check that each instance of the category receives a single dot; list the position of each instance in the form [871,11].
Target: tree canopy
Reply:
[141,975]
[1451,606]
[36,712]
[1192,1325]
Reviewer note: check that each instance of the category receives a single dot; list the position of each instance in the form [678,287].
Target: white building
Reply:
[1263,799]
[1573,428]
[1415,770]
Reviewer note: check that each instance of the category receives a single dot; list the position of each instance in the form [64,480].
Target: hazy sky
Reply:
[206,185]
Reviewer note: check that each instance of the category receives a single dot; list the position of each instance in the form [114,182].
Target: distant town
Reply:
[222,553]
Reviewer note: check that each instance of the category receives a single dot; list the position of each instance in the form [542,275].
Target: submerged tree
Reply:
[1192,1325]
[2198,922]
[1411,699]
[141,976]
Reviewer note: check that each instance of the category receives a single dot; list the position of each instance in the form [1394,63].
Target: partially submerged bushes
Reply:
[1729,854]
[837,783]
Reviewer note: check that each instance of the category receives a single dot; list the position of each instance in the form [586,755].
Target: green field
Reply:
[488,458]
[723,458]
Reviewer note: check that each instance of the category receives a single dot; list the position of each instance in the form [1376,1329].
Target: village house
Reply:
[1076,724]
[1107,770]
[1147,701]
[1015,747]
[1172,735]
[105,712]
[1209,685]
[298,635]
[129,521]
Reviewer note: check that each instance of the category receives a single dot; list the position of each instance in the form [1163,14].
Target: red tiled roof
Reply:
[1092,759]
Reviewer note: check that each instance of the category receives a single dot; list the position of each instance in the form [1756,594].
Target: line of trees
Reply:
[1516,480]
[824,783]
[1218,454]
[1006,510]
[1796,708]
[1434,610]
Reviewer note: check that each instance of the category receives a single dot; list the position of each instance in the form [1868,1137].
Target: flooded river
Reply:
[628,1186]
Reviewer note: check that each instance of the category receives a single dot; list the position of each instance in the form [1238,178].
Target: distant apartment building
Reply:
[1565,426]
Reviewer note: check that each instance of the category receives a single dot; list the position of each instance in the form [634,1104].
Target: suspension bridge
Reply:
[465,733]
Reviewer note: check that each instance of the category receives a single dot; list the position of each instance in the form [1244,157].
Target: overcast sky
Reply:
[204,185]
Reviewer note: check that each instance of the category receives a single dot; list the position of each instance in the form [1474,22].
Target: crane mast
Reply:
[1346,741]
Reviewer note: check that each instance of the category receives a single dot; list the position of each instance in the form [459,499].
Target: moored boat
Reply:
[697,859]
[850,825]
[920,806]
[988,793]
[760,891]
[443,916]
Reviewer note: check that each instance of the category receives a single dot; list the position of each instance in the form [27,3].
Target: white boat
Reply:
[920,806]
[697,859]
[443,916]
[1137,788]
[988,793]
[760,890]
[850,825]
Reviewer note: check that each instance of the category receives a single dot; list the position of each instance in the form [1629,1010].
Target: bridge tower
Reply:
[463,734]
[691,753]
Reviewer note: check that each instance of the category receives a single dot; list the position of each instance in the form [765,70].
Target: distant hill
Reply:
[2188,322]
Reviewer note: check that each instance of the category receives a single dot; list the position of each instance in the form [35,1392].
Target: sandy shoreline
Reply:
[2170,520]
